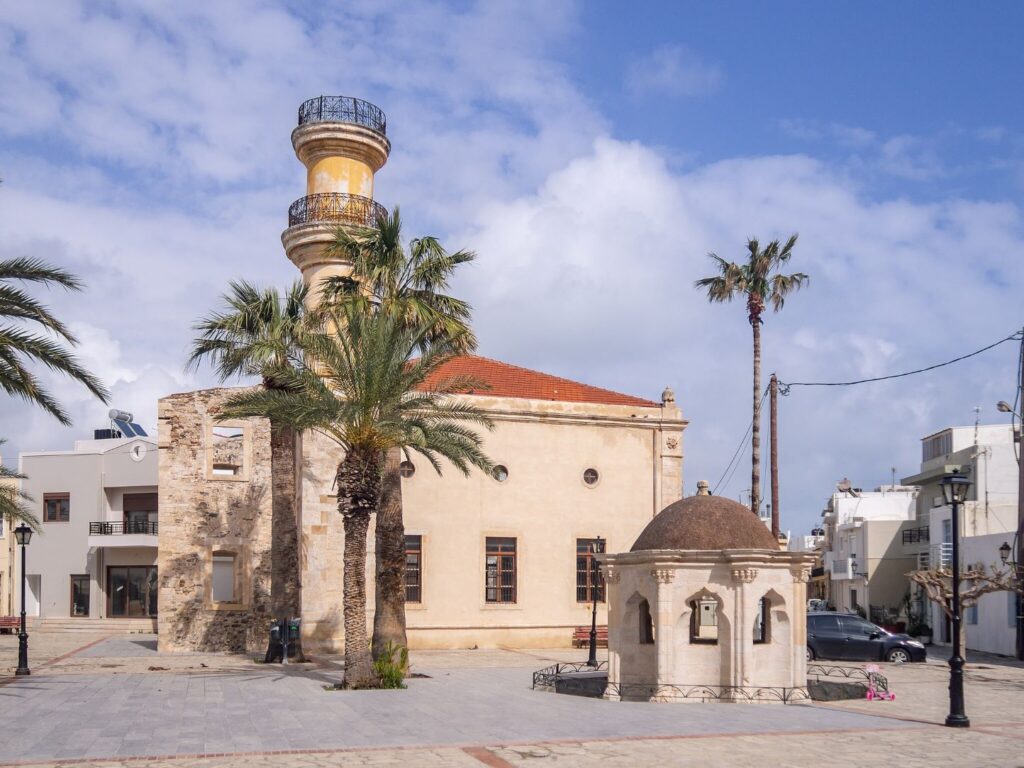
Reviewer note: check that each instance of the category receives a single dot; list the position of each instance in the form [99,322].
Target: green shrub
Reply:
[391,671]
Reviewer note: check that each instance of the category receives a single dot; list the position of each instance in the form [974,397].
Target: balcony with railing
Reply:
[916,535]
[128,533]
[343,109]
[335,208]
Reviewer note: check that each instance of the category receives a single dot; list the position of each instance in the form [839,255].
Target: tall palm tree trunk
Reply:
[285,571]
[359,483]
[389,608]
[755,433]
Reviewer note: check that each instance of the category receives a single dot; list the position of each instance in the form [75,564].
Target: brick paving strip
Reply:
[483,754]
[8,679]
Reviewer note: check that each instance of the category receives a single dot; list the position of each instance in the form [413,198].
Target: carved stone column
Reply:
[799,626]
[742,631]
[611,580]
[663,634]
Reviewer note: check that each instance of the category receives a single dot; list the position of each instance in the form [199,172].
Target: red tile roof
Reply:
[504,380]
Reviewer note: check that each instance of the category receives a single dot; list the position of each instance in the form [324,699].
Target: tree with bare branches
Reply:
[976,580]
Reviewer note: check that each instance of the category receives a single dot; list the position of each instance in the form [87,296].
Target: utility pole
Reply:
[1020,507]
[773,407]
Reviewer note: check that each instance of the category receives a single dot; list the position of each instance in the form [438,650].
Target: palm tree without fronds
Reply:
[365,389]
[32,336]
[260,333]
[411,285]
[759,281]
[13,500]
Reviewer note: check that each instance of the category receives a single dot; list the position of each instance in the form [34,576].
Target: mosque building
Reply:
[491,559]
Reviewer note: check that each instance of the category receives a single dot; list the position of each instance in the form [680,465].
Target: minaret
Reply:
[343,142]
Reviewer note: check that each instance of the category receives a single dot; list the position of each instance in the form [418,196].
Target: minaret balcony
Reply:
[343,109]
[335,208]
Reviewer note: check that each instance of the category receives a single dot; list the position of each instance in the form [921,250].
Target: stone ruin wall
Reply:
[323,546]
[201,514]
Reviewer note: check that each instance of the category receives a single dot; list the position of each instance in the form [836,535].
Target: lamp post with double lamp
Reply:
[954,491]
[1017,566]
[23,535]
[597,548]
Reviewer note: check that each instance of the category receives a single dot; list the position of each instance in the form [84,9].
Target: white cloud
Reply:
[165,171]
[592,277]
[673,71]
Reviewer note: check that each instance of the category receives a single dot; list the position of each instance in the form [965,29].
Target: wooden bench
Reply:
[581,637]
[10,623]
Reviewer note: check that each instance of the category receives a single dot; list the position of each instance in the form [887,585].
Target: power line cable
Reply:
[735,455]
[784,387]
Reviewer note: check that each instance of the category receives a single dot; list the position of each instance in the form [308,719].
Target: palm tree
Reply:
[261,333]
[13,508]
[364,389]
[411,286]
[42,342]
[760,282]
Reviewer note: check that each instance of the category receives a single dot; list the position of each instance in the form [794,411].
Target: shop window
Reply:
[80,595]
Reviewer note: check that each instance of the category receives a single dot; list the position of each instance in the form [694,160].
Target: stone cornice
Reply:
[314,141]
[735,558]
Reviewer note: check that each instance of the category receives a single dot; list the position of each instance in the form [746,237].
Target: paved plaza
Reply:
[116,701]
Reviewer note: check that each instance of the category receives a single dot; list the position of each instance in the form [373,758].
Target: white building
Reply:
[864,556]
[95,557]
[985,453]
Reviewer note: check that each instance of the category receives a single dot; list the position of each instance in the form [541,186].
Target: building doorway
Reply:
[80,595]
[131,591]
[34,595]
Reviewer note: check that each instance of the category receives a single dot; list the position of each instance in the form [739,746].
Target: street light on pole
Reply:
[595,576]
[1004,407]
[954,491]
[23,535]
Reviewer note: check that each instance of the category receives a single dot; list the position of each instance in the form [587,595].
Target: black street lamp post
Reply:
[23,535]
[954,489]
[594,586]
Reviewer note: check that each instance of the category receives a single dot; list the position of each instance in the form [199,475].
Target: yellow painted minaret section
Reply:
[343,142]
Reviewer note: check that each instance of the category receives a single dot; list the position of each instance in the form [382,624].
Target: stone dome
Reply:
[705,522]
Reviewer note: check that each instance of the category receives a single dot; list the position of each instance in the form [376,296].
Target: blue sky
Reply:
[591,157]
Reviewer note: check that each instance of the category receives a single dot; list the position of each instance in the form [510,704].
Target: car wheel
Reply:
[810,653]
[897,656]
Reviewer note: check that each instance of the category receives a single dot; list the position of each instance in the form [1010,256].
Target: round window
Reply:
[590,476]
[500,473]
[137,451]
[407,469]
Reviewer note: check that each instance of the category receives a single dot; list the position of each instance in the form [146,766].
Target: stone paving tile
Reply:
[269,710]
[921,748]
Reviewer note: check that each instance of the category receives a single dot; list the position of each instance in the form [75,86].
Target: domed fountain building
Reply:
[705,605]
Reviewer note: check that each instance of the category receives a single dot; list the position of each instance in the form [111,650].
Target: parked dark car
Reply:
[847,636]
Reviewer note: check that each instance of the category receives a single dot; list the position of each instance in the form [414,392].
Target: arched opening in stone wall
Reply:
[704,614]
[645,623]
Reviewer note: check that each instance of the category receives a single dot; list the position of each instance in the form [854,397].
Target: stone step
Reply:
[93,626]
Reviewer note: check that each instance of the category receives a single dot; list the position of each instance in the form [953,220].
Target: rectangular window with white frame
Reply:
[500,570]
